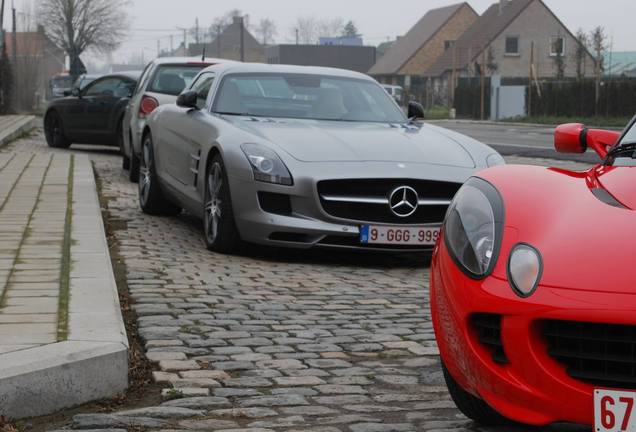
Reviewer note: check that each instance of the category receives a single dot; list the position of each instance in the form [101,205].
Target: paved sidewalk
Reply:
[62,339]
[14,126]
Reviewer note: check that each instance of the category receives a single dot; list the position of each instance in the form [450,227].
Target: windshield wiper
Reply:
[623,148]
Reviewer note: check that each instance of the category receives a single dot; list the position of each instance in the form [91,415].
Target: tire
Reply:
[133,169]
[125,161]
[151,199]
[54,131]
[472,407]
[221,234]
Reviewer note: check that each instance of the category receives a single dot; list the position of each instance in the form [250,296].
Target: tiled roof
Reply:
[407,46]
[487,27]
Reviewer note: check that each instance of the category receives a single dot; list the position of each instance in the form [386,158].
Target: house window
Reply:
[512,45]
[448,44]
[557,46]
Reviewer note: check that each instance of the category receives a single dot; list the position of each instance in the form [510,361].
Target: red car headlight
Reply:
[473,228]
[524,269]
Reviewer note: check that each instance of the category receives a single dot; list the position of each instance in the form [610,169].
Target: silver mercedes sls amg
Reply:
[302,157]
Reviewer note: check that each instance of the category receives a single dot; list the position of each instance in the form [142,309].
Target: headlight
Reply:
[266,165]
[524,269]
[473,226]
[495,159]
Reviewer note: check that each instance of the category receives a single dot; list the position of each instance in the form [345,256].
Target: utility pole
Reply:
[451,90]
[296,36]
[218,40]
[158,48]
[15,58]
[171,45]
[185,42]
[242,27]
[483,83]
[196,27]
[530,77]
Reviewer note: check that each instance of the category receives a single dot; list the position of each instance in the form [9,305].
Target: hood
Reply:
[585,236]
[330,141]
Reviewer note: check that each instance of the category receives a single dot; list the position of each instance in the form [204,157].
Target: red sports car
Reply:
[533,289]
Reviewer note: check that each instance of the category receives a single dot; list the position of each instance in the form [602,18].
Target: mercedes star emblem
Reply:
[403,201]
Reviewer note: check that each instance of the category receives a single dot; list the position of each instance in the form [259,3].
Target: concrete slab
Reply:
[39,375]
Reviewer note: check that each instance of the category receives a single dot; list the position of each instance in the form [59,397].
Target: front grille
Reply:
[366,200]
[598,354]
[488,328]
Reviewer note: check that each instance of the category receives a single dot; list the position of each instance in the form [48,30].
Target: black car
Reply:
[92,115]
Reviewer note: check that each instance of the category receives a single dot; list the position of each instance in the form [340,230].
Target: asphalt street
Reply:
[515,139]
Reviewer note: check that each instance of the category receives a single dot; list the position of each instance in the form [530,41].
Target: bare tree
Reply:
[330,27]
[305,30]
[580,53]
[599,45]
[266,30]
[80,25]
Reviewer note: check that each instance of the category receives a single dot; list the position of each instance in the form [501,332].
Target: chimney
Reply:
[502,5]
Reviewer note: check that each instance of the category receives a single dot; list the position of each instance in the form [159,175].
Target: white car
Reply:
[395,91]
[161,82]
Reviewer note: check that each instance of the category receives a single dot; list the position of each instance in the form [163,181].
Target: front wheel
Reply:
[472,407]
[221,234]
[151,199]
[54,131]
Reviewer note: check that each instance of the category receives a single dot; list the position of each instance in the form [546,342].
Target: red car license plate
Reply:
[396,235]
[614,411]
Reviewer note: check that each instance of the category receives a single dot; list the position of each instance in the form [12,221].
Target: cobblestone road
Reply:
[276,341]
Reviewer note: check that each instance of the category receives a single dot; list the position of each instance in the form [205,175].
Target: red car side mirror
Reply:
[576,138]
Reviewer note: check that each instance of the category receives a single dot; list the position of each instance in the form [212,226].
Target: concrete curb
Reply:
[22,126]
[93,362]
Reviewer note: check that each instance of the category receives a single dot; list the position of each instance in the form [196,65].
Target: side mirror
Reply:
[188,99]
[416,111]
[576,138]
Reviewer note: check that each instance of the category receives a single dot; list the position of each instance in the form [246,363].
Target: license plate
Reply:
[396,235]
[614,411]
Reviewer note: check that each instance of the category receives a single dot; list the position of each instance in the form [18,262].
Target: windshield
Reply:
[313,97]
[172,79]
[627,158]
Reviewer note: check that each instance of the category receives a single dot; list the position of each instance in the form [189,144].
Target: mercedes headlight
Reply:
[267,165]
[473,226]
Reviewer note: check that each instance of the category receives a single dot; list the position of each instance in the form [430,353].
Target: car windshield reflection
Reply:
[301,96]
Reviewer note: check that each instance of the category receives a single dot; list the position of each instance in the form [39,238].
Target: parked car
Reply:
[300,157]
[59,85]
[396,92]
[532,289]
[93,115]
[82,81]
[161,82]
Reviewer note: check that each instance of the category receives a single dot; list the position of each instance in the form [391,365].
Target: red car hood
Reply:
[586,243]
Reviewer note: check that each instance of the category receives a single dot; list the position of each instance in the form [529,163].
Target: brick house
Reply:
[38,59]
[509,37]
[228,45]
[412,55]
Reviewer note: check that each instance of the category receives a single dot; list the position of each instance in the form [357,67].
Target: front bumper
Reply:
[532,387]
[308,225]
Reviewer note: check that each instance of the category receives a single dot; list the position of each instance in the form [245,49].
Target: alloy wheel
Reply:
[145,175]
[213,202]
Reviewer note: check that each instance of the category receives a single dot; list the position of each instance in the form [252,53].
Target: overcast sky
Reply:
[376,20]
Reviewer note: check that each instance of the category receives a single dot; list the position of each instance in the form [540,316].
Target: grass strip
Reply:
[65,270]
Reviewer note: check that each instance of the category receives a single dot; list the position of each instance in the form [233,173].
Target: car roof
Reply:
[189,60]
[237,67]
[134,75]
